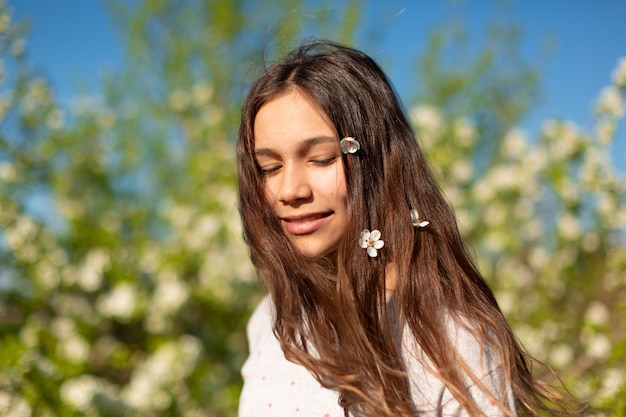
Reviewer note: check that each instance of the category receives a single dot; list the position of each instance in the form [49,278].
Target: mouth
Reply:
[306,223]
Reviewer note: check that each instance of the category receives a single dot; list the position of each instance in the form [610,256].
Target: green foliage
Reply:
[124,284]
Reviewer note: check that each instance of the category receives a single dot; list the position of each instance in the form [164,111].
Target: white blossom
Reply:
[462,170]
[494,214]
[23,230]
[613,380]
[514,144]
[534,161]
[505,177]
[599,346]
[171,362]
[569,227]
[561,355]
[429,122]
[91,273]
[566,142]
[371,241]
[610,102]
[170,295]
[13,405]
[483,190]
[605,131]
[5,401]
[63,327]
[495,241]
[619,73]
[120,303]
[538,258]
[78,393]
[415,220]
[201,232]
[464,131]
[74,348]
[597,314]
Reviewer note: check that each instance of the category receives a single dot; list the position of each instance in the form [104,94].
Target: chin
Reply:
[317,252]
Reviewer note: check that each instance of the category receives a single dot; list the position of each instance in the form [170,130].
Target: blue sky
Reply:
[71,41]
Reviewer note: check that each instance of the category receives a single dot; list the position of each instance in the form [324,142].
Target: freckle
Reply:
[293,382]
[263,378]
[270,405]
[492,402]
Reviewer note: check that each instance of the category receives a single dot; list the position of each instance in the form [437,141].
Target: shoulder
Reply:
[260,322]
[480,366]
[479,356]
[274,386]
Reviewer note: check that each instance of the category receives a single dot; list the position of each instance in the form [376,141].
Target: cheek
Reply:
[341,186]
[268,193]
[339,183]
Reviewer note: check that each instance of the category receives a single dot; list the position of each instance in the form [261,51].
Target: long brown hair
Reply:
[334,317]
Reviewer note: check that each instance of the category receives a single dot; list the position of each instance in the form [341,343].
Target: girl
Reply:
[374,307]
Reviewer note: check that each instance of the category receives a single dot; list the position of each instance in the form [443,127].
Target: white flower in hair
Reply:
[415,219]
[349,145]
[371,241]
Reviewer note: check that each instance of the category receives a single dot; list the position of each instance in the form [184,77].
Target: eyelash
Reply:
[325,162]
[318,162]
[269,171]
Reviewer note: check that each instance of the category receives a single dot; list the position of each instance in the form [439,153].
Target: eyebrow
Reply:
[307,143]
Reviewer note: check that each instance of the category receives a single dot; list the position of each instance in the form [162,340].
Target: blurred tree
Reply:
[545,215]
[124,285]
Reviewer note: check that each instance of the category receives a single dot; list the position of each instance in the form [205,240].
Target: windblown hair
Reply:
[332,316]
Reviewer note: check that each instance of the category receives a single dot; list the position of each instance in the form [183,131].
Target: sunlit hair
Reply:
[332,316]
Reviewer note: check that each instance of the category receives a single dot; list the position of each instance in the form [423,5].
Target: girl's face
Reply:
[298,152]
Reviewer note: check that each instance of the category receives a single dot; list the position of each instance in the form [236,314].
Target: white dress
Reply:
[275,387]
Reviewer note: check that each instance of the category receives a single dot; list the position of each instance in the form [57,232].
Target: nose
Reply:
[294,186]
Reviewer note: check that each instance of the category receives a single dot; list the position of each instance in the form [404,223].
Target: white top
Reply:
[275,387]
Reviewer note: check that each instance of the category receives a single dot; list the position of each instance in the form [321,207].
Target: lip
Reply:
[305,223]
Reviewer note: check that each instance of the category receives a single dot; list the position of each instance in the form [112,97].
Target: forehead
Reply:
[290,117]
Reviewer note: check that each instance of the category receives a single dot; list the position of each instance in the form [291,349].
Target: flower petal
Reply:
[349,145]
[365,235]
[424,224]
[372,252]
[414,217]
[375,235]
[379,244]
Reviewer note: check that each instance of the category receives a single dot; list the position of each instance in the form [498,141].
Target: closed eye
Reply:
[269,170]
[325,161]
